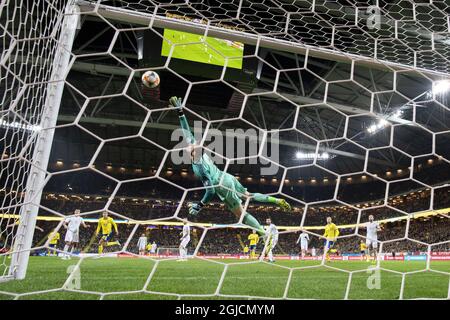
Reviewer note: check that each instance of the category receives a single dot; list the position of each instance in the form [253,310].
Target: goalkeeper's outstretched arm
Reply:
[176,103]
[194,208]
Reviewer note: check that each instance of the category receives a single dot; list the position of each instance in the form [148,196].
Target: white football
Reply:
[150,79]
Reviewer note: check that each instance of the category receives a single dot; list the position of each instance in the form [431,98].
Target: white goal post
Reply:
[62,35]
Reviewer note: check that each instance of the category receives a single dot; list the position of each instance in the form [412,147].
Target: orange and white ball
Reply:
[151,79]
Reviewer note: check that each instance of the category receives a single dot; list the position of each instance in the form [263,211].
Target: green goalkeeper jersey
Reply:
[205,169]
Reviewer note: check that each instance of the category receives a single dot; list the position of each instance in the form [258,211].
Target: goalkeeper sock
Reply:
[264,198]
[100,249]
[113,243]
[252,222]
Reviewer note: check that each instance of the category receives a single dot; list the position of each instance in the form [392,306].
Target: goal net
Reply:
[339,108]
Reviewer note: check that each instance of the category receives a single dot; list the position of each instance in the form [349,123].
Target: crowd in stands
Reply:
[150,208]
[226,240]
[431,229]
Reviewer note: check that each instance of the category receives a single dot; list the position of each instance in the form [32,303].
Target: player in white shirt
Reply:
[142,244]
[303,240]
[72,238]
[153,248]
[372,228]
[313,252]
[271,238]
[184,240]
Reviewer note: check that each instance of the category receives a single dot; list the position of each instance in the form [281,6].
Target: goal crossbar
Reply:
[265,41]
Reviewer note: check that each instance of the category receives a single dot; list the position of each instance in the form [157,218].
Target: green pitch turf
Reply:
[194,278]
[188,47]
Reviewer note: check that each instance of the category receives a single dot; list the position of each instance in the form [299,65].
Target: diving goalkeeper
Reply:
[230,190]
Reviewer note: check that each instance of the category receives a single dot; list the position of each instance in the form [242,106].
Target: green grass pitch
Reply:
[188,48]
[173,280]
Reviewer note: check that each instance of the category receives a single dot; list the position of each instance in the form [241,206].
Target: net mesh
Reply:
[374,108]
[29,30]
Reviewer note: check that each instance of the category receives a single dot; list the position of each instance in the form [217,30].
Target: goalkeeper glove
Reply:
[195,207]
[175,102]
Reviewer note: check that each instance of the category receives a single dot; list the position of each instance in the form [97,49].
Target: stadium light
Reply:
[398,113]
[19,125]
[441,86]
[375,127]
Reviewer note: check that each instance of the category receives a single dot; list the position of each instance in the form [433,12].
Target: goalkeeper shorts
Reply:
[231,192]
[252,247]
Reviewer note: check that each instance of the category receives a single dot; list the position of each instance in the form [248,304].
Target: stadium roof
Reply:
[322,87]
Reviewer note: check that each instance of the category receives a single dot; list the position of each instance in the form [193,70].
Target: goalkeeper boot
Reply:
[284,205]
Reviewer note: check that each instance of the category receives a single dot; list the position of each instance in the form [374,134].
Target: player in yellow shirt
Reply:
[54,237]
[106,224]
[331,234]
[363,249]
[253,238]
[246,250]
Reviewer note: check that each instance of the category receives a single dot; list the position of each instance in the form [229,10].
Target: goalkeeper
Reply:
[230,191]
